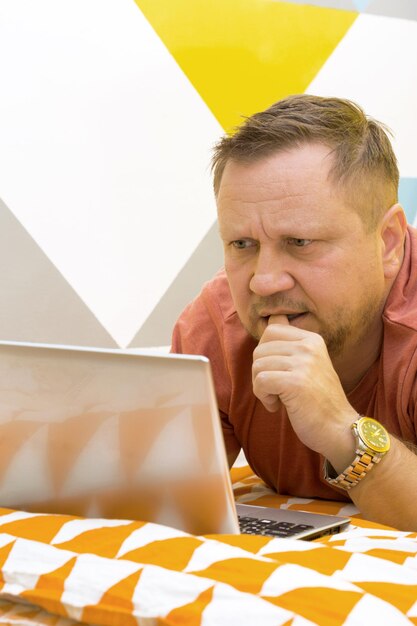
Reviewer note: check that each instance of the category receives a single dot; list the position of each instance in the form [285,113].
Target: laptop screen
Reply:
[111,433]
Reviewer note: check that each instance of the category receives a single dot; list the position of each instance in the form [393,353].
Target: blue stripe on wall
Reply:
[361,5]
[408,198]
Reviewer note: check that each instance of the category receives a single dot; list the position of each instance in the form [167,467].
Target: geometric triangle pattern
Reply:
[92,446]
[46,309]
[265,45]
[108,220]
[77,570]
[108,228]
[105,192]
[92,463]
[202,264]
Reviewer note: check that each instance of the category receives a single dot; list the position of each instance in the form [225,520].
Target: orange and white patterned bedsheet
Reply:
[60,570]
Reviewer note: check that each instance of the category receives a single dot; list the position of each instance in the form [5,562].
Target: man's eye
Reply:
[241,244]
[299,243]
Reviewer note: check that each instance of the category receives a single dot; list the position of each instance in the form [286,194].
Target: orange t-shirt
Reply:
[210,326]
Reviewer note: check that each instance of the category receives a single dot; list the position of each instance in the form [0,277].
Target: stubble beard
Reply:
[338,334]
[344,335]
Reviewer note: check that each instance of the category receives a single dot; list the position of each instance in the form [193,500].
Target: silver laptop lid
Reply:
[111,433]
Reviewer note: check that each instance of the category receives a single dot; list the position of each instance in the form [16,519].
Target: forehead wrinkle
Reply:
[280,197]
[275,191]
[272,214]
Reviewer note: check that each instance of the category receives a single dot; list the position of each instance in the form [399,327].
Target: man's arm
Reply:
[387,494]
[293,366]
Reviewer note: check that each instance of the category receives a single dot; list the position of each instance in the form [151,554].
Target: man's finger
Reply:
[278,319]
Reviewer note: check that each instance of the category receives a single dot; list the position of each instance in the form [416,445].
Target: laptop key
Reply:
[275,532]
[299,528]
[255,526]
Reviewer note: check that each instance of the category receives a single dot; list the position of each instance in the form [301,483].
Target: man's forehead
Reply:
[284,193]
[297,172]
[311,158]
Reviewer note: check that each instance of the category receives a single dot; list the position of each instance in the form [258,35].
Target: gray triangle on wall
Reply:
[37,304]
[205,261]
[405,9]
[344,5]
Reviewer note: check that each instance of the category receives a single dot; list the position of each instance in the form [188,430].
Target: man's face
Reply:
[293,246]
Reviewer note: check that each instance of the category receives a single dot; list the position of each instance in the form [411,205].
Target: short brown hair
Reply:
[364,161]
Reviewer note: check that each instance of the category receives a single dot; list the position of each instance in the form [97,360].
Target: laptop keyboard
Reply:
[254,526]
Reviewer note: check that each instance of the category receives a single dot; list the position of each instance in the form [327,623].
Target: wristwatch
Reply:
[372,443]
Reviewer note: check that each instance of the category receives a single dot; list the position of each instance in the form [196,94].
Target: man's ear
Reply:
[393,228]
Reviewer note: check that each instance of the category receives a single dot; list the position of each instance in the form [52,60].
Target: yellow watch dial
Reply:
[373,434]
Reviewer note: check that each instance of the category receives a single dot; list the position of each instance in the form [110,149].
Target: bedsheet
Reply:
[60,570]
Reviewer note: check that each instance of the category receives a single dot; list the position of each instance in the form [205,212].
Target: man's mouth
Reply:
[294,316]
[290,316]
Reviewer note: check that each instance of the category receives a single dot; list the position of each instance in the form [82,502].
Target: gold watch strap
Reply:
[360,466]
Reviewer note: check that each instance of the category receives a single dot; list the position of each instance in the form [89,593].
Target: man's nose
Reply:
[271,275]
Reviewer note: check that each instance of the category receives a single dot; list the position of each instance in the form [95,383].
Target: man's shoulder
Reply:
[209,325]
[212,308]
[217,297]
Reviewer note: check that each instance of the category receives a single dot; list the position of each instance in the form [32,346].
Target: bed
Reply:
[61,570]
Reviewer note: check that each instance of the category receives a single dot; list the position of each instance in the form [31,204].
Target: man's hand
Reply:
[293,366]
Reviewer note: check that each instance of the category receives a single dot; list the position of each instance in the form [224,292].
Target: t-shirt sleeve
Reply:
[198,330]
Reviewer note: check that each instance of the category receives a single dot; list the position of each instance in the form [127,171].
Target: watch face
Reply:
[373,434]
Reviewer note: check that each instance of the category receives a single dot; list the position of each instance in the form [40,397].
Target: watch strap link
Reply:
[360,466]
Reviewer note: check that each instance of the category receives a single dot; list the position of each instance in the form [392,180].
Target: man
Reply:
[313,324]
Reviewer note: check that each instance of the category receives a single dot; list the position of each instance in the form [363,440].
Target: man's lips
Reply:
[294,316]
[289,316]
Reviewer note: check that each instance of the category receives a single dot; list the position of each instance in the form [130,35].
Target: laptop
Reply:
[126,435]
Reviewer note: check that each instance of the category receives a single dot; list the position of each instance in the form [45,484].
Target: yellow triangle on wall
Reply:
[243,55]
